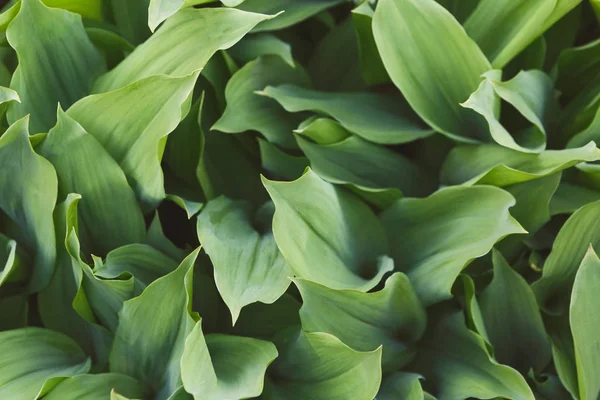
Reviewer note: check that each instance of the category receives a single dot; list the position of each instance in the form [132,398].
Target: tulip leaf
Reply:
[95,387]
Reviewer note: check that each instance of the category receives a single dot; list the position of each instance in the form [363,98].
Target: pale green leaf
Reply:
[36,359]
[174,50]
[584,319]
[248,111]
[44,37]
[152,354]
[248,266]
[409,35]
[29,190]
[430,241]
[224,367]
[392,317]
[503,28]
[499,166]
[95,387]
[130,122]
[401,385]
[319,366]
[84,167]
[327,235]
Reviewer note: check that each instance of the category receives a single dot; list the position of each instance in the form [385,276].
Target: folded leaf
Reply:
[327,235]
[29,189]
[377,118]
[144,262]
[95,387]
[224,367]
[130,122]
[174,51]
[63,304]
[530,93]
[434,82]
[44,37]
[430,241]
[152,354]
[319,366]
[584,321]
[84,167]
[455,361]
[280,163]
[499,166]
[248,265]
[569,248]
[265,321]
[35,360]
[248,111]
[393,317]
[512,319]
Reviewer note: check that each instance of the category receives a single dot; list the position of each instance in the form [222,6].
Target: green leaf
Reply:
[130,122]
[224,367]
[401,385]
[319,366]
[144,262]
[434,82]
[334,63]
[160,10]
[584,321]
[261,44]
[569,248]
[174,51]
[8,258]
[131,18]
[531,94]
[63,304]
[502,29]
[29,189]
[95,387]
[7,96]
[248,266]
[44,37]
[265,321]
[248,111]
[569,197]
[512,319]
[84,167]
[372,68]
[588,134]
[356,161]
[35,360]
[279,163]
[392,317]
[327,235]
[455,361]
[152,354]
[378,118]
[499,166]
[430,241]
[294,11]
